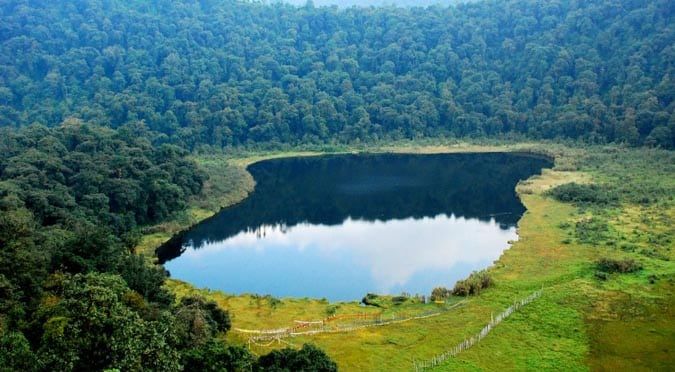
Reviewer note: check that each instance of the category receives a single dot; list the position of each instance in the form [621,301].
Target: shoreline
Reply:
[571,325]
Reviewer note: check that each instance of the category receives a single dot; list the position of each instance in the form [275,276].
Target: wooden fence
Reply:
[440,358]
[338,323]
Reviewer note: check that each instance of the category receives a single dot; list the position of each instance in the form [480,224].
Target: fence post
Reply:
[468,342]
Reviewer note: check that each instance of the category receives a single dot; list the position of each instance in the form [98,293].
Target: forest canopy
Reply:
[73,294]
[223,73]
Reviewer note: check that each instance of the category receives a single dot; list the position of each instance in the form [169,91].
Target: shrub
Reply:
[273,301]
[370,299]
[653,253]
[584,194]
[591,230]
[440,294]
[332,309]
[216,356]
[610,265]
[198,320]
[474,284]
[309,358]
[397,300]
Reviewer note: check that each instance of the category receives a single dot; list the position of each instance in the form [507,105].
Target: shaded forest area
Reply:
[222,73]
[73,295]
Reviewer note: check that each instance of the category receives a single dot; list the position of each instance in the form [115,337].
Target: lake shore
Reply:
[578,323]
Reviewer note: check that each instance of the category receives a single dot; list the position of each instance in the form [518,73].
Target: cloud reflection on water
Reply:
[397,255]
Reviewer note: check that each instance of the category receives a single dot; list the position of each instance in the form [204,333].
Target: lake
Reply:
[341,226]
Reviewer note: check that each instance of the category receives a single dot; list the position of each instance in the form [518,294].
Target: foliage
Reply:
[591,230]
[225,73]
[145,279]
[584,194]
[70,199]
[371,299]
[440,294]
[15,353]
[635,176]
[72,295]
[216,356]
[610,265]
[88,323]
[119,90]
[200,320]
[77,173]
[398,300]
[309,358]
[474,284]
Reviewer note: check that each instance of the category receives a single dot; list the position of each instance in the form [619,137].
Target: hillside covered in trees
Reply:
[222,72]
[73,295]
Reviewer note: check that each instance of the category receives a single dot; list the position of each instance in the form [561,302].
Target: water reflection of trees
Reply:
[329,189]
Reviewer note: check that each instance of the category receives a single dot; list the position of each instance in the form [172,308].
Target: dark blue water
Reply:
[342,226]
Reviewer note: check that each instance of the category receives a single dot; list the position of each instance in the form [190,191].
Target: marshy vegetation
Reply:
[611,265]
[473,285]
[585,194]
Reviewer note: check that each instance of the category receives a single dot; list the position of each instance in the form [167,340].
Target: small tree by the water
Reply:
[474,284]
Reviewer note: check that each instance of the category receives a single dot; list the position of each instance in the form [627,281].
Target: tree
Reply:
[15,353]
[308,358]
[199,320]
[660,137]
[91,326]
[193,85]
[216,356]
[626,130]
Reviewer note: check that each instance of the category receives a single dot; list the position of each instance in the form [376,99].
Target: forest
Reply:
[221,73]
[73,294]
[102,102]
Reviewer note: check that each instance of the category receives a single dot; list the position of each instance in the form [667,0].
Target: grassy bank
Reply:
[228,184]
[582,321]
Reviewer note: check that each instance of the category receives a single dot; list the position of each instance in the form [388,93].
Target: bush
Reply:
[474,284]
[591,230]
[370,299]
[584,194]
[216,356]
[397,300]
[198,320]
[653,253]
[15,353]
[610,265]
[309,358]
[332,309]
[440,294]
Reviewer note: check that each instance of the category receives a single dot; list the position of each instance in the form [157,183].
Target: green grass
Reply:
[579,323]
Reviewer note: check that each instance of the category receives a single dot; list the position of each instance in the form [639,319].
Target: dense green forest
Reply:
[73,296]
[222,72]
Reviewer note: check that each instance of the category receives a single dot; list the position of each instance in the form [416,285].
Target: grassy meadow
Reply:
[585,319]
